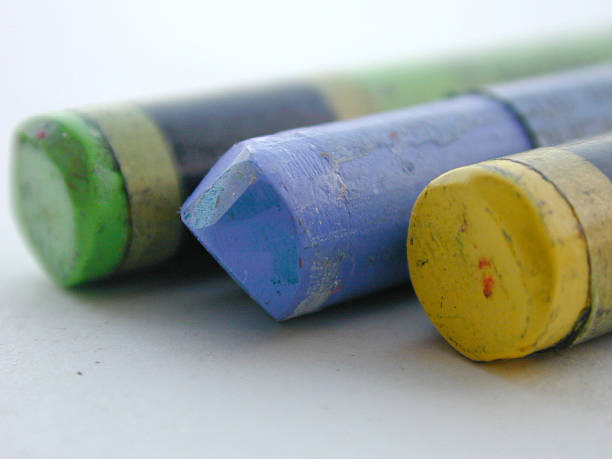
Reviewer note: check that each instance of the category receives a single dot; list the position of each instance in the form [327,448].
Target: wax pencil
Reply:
[514,255]
[98,189]
[310,217]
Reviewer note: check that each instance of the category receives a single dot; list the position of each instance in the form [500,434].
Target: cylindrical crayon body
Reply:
[522,259]
[98,189]
[310,217]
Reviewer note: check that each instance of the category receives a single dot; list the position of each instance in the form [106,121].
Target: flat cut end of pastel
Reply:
[498,260]
[69,197]
[243,221]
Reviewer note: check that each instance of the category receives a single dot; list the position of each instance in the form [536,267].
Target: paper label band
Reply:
[151,179]
[589,191]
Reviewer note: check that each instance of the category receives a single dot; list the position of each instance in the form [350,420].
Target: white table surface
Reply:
[167,366]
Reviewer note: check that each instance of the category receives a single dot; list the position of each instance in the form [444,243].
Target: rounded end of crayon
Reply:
[498,260]
[69,197]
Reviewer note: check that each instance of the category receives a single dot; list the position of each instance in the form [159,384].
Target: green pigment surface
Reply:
[399,86]
[70,197]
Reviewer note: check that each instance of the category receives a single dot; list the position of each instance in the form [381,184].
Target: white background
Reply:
[193,367]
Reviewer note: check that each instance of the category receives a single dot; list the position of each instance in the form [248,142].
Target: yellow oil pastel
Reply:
[512,256]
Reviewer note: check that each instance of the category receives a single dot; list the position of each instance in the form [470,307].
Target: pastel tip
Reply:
[245,223]
[69,197]
[217,199]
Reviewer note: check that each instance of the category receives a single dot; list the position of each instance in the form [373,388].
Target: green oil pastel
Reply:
[70,197]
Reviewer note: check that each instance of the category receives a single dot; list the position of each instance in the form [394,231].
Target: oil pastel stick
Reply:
[514,255]
[98,189]
[310,217]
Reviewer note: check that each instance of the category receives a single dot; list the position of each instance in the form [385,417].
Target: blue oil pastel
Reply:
[311,217]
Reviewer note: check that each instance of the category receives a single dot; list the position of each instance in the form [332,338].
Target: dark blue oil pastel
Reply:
[311,217]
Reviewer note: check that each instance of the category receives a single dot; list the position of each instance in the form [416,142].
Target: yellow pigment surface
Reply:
[498,260]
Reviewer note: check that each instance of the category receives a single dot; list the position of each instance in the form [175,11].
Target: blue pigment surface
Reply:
[311,217]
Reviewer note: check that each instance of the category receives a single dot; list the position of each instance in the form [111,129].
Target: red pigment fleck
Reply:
[41,134]
[487,285]
[300,262]
[325,155]
[483,262]
[336,290]
[394,135]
